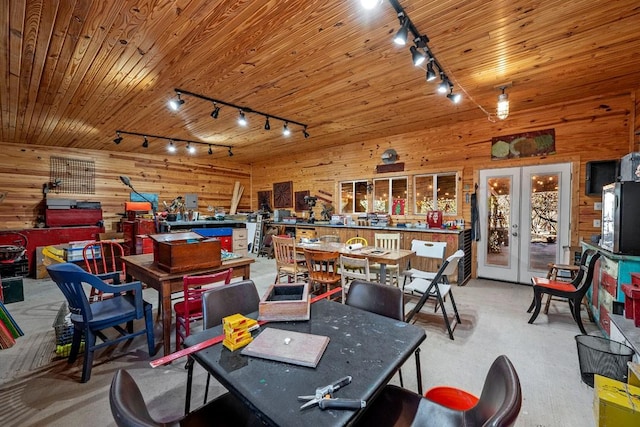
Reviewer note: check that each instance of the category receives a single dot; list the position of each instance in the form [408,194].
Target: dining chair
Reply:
[130,410]
[430,252]
[238,297]
[352,268]
[499,404]
[573,291]
[288,263]
[89,320]
[357,240]
[389,242]
[323,268]
[439,288]
[190,308]
[104,259]
[383,300]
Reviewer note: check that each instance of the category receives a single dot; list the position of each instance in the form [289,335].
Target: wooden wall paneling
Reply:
[25,169]
[595,128]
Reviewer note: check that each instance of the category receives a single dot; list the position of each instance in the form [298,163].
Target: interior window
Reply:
[390,196]
[440,188]
[353,196]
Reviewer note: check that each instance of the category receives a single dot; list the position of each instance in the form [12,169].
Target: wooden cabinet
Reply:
[613,271]
[240,242]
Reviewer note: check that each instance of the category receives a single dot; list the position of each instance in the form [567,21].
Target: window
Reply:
[440,187]
[397,188]
[353,196]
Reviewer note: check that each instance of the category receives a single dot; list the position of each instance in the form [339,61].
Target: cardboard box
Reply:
[177,252]
[615,403]
[284,302]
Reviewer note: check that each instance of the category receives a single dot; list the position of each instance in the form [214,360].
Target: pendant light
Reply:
[502,110]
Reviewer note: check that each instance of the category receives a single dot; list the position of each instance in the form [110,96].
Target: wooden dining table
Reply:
[142,268]
[383,257]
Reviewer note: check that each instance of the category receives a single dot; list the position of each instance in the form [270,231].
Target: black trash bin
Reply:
[602,356]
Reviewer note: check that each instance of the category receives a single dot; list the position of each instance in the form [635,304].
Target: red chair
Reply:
[104,259]
[190,309]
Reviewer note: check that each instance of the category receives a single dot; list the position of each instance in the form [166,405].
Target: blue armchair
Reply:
[90,319]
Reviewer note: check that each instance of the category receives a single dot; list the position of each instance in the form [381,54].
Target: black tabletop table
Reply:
[364,345]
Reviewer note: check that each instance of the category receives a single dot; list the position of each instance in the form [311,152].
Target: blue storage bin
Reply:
[213,232]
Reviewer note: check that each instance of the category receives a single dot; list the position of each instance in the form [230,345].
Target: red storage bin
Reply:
[632,303]
[226,243]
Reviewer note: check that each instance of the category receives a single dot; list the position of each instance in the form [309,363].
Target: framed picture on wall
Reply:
[301,205]
[264,200]
[283,195]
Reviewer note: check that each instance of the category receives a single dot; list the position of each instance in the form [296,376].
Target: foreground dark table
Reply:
[364,345]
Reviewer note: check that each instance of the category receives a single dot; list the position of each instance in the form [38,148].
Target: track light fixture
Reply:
[370,4]
[444,86]
[420,52]
[403,33]
[175,104]
[431,74]
[229,152]
[118,138]
[172,142]
[454,97]
[305,133]
[242,111]
[502,110]
[216,111]
[285,129]
[242,120]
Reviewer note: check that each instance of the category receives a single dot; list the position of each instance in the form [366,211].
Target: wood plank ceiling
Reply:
[77,70]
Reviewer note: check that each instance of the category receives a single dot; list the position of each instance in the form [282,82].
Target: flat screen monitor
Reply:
[599,174]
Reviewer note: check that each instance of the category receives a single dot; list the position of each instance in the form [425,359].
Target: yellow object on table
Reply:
[615,403]
[237,331]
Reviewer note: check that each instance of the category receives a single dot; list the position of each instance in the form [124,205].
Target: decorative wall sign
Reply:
[301,205]
[398,207]
[264,200]
[528,144]
[283,195]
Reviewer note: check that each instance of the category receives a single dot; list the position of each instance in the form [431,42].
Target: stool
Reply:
[452,398]
[552,274]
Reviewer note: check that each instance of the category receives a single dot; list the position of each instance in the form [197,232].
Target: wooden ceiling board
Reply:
[79,70]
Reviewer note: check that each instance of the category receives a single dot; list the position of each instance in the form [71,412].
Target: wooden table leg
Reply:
[165,296]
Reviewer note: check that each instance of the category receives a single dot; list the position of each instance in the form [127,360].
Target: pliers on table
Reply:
[325,400]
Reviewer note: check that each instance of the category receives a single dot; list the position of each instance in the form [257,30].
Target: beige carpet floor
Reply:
[38,390]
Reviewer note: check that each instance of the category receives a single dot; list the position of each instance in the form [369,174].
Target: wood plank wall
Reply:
[588,129]
[24,169]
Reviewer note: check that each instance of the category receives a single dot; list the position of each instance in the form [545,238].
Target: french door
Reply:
[524,220]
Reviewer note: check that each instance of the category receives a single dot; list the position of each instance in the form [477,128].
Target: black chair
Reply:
[130,410]
[499,404]
[573,291]
[384,300]
[90,319]
[217,303]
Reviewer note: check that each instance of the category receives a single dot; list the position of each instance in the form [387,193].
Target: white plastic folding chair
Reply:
[439,288]
[430,252]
